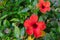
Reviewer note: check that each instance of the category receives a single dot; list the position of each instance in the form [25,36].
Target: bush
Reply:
[14,13]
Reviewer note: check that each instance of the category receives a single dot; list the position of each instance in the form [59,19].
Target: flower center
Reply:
[43,6]
[34,25]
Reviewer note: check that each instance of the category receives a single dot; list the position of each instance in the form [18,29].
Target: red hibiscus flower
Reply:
[33,26]
[44,6]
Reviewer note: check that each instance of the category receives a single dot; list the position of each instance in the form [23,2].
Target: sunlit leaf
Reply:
[16,31]
[40,18]
[14,19]
[1,34]
[22,31]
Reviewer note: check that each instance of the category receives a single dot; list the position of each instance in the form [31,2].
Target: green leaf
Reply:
[47,37]
[1,34]
[4,2]
[59,2]
[53,36]
[18,2]
[58,27]
[22,31]
[1,7]
[23,10]
[3,17]
[14,39]
[7,38]
[15,19]
[58,15]
[16,31]
[0,22]
[28,1]
[40,18]
[6,23]
[35,2]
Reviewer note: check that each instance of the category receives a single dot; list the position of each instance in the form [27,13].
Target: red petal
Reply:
[37,33]
[41,0]
[41,3]
[41,25]
[47,4]
[43,10]
[29,31]
[34,18]
[48,9]
[27,23]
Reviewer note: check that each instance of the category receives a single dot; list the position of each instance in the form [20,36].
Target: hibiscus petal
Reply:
[47,3]
[37,33]
[27,23]
[41,0]
[29,31]
[41,25]
[34,18]
[48,8]
[43,10]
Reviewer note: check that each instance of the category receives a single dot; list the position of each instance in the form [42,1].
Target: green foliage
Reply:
[13,13]
[16,31]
